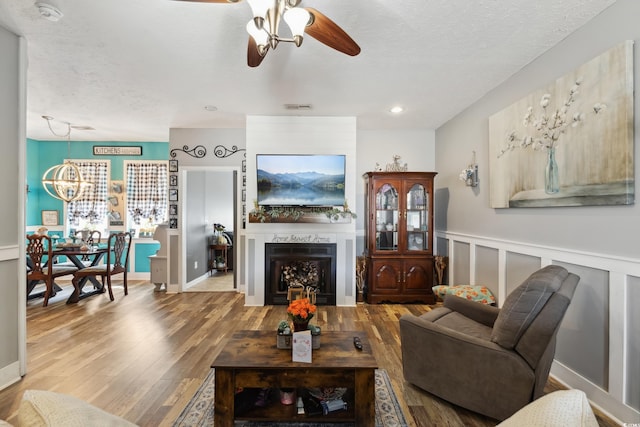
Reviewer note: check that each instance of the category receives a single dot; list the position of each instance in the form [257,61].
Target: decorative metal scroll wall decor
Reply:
[221,151]
[198,151]
[570,143]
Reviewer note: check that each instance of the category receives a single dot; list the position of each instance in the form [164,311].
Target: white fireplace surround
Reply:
[345,262]
[300,135]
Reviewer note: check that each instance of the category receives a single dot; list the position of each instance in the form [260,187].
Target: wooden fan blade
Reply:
[253,56]
[328,32]
[211,1]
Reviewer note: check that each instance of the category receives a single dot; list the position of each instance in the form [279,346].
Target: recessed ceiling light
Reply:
[211,108]
[397,109]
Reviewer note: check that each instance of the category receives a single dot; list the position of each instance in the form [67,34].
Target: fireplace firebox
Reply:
[300,264]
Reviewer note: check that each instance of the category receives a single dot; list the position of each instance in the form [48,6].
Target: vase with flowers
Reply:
[300,312]
[218,232]
[546,128]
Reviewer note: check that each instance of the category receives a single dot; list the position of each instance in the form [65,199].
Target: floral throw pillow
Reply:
[476,293]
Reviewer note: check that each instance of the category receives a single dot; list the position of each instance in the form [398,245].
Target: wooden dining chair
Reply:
[40,266]
[89,237]
[119,245]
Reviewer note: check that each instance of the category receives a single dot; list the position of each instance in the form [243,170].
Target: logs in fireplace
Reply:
[300,264]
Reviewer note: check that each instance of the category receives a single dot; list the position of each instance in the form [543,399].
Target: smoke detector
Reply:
[49,12]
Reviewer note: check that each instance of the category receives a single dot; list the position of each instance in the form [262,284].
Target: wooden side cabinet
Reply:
[399,236]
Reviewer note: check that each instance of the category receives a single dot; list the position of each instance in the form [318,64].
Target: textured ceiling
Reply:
[133,69]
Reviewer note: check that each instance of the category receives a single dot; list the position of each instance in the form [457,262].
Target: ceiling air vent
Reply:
[297,106]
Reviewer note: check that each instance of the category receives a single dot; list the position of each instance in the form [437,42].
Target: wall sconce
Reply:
[470,174]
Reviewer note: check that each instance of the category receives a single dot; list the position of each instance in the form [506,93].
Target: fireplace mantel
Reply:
[309,238]
[255,246]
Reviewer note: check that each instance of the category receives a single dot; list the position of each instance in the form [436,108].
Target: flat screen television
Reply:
[300,179]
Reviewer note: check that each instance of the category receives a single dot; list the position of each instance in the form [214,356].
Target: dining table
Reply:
[79,257]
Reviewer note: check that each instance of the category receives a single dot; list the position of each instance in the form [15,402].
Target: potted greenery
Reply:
[220,262]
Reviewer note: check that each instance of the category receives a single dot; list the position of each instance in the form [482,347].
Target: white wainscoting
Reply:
[13,371]
[623,273]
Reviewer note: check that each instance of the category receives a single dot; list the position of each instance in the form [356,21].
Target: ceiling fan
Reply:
[267,16]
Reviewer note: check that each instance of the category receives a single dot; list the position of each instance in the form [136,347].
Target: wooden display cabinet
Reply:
[399,236]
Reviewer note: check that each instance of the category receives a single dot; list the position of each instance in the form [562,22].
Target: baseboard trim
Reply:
[9,375]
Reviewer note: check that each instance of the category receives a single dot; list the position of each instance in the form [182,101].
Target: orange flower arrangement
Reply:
[301,310]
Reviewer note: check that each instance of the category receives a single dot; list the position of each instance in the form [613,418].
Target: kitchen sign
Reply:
[101,150]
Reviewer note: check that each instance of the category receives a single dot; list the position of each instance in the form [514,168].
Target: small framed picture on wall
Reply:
[173,222]
[173,209]
[173,194]
[49,217]
[173,180]
[173,166]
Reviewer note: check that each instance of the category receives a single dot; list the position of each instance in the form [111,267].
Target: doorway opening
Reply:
[210,198]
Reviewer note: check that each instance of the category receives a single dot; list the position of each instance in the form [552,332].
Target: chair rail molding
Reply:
[9,252]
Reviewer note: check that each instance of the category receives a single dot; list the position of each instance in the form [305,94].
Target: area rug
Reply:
[199,410]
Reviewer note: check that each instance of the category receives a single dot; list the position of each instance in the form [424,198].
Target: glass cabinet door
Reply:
[417,219]
[387,218]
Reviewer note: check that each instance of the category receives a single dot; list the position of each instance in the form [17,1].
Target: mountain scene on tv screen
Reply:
[300,189]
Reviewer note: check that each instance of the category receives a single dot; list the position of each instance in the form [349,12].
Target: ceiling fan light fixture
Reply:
[260,7]
[261,37]
[302,21]
[258,21]
[297,19]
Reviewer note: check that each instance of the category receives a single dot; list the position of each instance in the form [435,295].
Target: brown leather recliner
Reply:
[489,360]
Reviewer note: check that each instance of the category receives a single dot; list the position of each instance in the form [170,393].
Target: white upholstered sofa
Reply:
[566,408]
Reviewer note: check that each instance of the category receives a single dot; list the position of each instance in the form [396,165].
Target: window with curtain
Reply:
[91,206]
[147,188]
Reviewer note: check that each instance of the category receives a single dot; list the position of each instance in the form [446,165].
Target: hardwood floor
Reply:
[143,356]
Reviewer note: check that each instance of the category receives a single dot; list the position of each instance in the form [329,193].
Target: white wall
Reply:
[301,135]
[416,147]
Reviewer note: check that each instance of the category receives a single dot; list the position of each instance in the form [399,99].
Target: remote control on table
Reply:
[357,343]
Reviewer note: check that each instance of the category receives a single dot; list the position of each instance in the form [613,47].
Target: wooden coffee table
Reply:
[251,360]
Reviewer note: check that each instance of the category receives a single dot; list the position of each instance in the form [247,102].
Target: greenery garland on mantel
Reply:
[284,214]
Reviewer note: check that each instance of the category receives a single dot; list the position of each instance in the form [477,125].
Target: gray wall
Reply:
[12,176]
[466,210]
[209,200]
[609,232]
